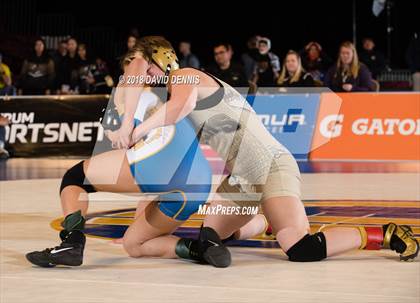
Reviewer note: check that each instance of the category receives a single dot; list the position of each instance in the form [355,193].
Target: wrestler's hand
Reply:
[137,135]
[121,137]
[111,135]
[347,87]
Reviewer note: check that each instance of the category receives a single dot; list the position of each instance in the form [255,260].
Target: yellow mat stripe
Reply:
[364,220]
[402,204]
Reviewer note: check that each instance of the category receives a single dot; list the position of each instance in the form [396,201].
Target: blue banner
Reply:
[290,118]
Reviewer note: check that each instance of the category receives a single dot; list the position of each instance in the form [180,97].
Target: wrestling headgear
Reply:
[154,49]
[165,58]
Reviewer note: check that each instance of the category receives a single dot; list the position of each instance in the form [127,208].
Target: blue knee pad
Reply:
[181,205]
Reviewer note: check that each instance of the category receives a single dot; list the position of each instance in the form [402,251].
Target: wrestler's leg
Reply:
[140,208]
[229,225]
[105,172]
[291,227]
[150,234]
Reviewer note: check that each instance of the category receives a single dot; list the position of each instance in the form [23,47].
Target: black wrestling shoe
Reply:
[69,252]
[211,248]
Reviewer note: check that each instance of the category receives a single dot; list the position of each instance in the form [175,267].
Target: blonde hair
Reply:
[355,64]
[284,73]
[145,46]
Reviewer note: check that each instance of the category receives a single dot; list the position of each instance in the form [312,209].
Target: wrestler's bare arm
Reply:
[128,94]
[182,103]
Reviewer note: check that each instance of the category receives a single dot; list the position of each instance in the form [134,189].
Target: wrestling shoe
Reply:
[212,249]
[401,239]
[207,249]
[69,252]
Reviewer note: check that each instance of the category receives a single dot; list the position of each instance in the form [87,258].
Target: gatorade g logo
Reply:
[331,126]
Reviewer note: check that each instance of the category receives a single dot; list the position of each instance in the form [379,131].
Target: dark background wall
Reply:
[104,25]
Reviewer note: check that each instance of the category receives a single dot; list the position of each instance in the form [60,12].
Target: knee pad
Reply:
[309,248]
[76,176]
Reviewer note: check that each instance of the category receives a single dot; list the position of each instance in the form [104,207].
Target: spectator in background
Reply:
[59,58]
[73,62]
[187,59]
[37,73]
[226,70]
[4,154]
[68,65]
[413,60]
[6,87]
[315,61]
[263,74]
[249,58]
[373,59]
[348,74]
[264,47]
[268,65]
[92,77]
[132,38]
[82,76]
[72,50]
[60,52]
[131,41]
[293,74]
[103,83]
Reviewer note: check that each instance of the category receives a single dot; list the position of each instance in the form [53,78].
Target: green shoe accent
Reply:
[187,249]
[74,221]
